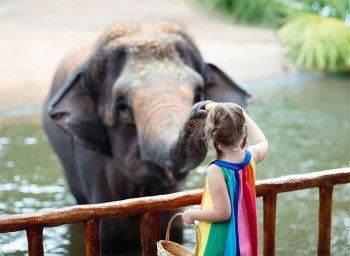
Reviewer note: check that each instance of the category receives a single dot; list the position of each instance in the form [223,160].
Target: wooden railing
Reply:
[149,208]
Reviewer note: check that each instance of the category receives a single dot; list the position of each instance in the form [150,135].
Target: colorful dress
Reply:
[239,234]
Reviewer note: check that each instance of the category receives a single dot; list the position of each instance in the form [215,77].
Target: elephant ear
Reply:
[73,108]
[221,88]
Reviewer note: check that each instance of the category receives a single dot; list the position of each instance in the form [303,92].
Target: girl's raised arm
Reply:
[260,145]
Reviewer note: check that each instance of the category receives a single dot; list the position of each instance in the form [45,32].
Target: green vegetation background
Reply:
[315,35]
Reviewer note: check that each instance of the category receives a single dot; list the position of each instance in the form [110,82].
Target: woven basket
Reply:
[168,248]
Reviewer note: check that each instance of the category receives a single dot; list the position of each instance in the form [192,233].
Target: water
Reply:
[307,122]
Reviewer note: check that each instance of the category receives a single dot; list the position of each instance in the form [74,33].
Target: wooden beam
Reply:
[269,207]
[325,220]
[136,206]
[150,233]
[302,181]
[35,241]
[92,237]
[122,208]
[148,206]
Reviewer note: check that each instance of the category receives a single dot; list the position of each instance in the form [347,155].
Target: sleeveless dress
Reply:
[239,234]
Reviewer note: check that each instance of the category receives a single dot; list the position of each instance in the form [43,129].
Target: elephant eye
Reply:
[198,95]
[124,112]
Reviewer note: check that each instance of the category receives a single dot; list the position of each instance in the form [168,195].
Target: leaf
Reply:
[316,43]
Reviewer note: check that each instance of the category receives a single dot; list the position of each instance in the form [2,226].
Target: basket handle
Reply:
[167,233]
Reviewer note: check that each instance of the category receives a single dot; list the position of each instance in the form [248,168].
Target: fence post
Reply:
[269,201]
[35,241]
[92,237]
[150,233]
[325,220]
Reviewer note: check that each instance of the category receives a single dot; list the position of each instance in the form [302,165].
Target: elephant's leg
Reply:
[120,236]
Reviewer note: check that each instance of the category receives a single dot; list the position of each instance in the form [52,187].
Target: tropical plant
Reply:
[255,12]
[316,43]
[315,34]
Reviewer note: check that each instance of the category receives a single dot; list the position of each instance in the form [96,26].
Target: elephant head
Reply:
[134,105]
[132,99]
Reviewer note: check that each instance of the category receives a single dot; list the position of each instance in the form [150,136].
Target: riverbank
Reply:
[35,35]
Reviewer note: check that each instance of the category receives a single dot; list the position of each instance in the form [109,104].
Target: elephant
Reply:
[125,117]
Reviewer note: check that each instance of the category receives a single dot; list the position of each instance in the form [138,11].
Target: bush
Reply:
[313,33]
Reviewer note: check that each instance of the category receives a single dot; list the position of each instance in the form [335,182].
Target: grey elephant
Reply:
[125,118]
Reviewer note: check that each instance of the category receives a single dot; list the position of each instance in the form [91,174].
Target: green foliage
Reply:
[269,12]
[317,43]
[314,33]
[248,11]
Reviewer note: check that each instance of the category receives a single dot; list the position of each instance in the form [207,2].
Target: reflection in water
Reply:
[308,128]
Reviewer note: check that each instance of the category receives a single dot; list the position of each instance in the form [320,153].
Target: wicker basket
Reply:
[168,248]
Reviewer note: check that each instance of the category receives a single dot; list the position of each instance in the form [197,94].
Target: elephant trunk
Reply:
[177,141]
[191,147]
[169,130]
[158,128]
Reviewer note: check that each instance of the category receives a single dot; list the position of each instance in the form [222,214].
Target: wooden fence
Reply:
[148,208]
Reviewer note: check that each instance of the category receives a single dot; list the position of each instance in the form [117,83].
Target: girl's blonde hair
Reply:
[226,125]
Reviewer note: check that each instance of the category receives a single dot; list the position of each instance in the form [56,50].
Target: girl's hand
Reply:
[188,217]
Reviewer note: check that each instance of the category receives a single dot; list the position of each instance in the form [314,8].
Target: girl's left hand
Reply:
[188,217]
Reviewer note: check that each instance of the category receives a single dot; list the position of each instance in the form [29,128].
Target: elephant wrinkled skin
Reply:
[125,118]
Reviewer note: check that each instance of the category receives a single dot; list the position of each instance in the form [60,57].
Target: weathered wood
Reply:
[35,241]
[150,233]
[78,213]
[302,181]
[92,237]
[148,206]
[269,206]
[325,220]
[69,215]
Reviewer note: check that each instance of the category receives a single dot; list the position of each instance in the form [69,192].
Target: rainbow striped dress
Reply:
[239,234]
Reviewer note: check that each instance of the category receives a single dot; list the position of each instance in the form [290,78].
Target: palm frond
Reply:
[316,43]
[315,34]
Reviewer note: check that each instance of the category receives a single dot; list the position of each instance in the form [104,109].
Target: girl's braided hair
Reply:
[226,125]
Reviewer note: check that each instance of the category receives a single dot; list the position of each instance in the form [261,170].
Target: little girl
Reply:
[227,219]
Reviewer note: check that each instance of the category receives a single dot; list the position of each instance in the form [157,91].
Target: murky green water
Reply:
[308,126]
